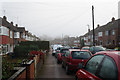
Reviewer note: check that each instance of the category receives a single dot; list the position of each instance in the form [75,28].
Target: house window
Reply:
[100,34]
[106,33]
[113,32]
[11,36]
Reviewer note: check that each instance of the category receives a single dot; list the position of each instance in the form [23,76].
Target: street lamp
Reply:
[93,25]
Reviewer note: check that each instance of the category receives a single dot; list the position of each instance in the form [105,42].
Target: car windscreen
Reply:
[63,50]
[80,55]
[99,49]
[85,48]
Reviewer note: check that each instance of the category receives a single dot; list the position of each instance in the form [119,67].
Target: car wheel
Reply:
[62,65]
[67,70]
[76,78]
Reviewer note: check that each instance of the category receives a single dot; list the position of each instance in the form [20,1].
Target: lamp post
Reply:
[93,25]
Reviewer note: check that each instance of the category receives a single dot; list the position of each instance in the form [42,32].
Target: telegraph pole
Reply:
[93,25]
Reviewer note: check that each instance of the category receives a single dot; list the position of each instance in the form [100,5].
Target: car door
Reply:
[90,69]
[65,59]
[108,69]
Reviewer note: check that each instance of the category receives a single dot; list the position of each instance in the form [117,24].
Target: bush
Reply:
[7,69]
[25,47]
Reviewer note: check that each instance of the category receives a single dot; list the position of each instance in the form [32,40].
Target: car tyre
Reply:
[62,65]
[67,70]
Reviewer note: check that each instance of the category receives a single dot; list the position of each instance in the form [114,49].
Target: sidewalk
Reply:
[50,69]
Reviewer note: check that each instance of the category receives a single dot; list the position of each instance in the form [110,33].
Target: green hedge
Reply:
[25,47]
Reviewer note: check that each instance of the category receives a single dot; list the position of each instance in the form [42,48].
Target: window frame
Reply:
[98,65]
[114,63]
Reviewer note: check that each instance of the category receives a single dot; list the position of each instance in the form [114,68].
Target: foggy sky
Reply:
[55,18]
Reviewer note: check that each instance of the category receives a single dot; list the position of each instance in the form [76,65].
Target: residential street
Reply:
[52,70]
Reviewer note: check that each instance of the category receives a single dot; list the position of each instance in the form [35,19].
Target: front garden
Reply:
[22,55]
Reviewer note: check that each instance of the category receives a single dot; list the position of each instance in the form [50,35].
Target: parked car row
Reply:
[90,63]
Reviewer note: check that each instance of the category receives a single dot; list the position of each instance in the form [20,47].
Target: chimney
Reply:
[88,30]
[98,26]
[113,19]
[4,17]
[16,25]
[12,23]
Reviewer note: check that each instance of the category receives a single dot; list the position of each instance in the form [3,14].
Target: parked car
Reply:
[73,57]
[95,49]
[58,51]
[103,65]
[117,49]
[85,48]
[54,47]
[59,55]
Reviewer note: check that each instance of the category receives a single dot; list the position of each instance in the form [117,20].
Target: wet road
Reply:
[52,70]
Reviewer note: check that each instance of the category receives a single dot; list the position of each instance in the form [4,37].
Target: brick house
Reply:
[6,36]
[107,35]
[11,35]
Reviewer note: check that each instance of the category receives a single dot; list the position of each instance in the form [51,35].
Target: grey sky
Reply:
[56,17]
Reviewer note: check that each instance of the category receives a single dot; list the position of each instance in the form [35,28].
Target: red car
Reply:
[59,55]
[103,65]
[73,57]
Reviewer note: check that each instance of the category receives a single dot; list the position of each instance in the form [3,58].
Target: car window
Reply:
[64,50]
[80,55]
[67,53]
[99,49]
[108,70]
[93,63]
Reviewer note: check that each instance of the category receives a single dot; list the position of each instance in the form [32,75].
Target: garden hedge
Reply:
[25,47]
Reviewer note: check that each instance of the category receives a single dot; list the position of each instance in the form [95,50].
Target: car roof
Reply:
[74,50]
[86,47]
[84,50]
[113,54]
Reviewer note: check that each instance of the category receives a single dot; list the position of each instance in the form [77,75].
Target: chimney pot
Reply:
[4,17]
[98,25]
[12,23]
[113,19]
[16,25]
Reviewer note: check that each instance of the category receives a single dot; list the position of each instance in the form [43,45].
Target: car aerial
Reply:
[59,55]
[73,57]
[95,49]
[85,48]
[103,65]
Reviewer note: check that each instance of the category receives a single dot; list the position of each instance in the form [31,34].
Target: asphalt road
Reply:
[52,70]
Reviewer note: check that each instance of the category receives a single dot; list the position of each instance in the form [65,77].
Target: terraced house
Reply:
[11,35]
[107,35]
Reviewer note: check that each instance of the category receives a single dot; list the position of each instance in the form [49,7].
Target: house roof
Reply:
[21,29]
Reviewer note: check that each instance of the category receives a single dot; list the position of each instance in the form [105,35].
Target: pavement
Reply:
[51,70]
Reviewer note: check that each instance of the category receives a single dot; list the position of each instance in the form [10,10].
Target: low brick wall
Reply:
[20,74]
[30,70]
